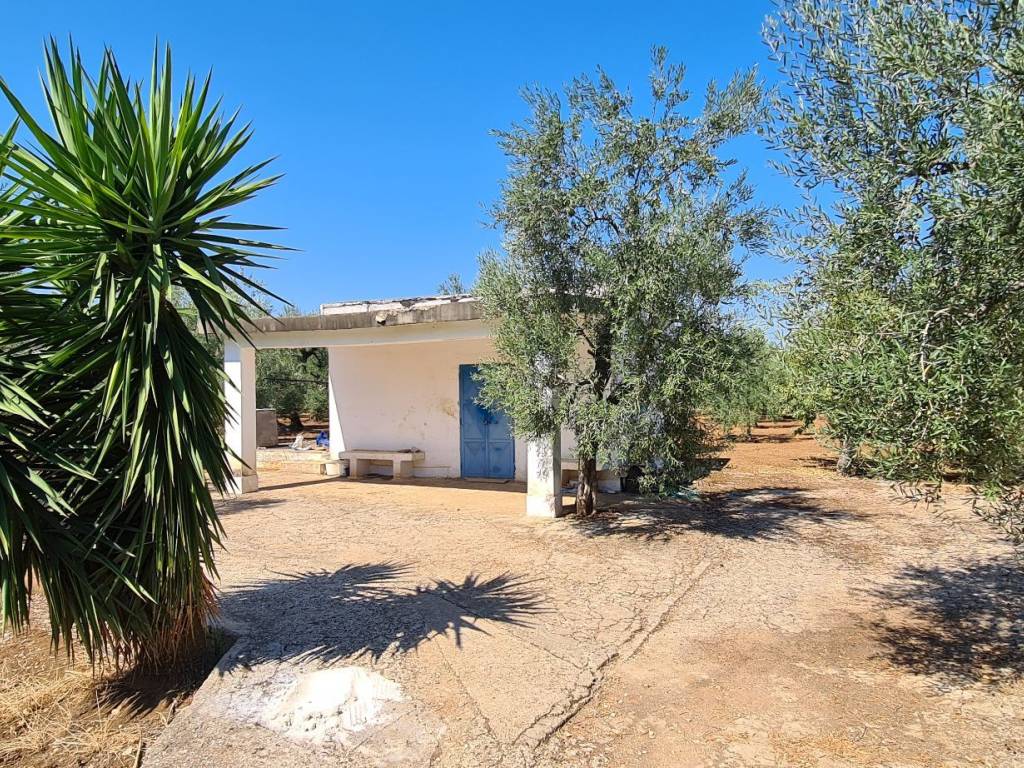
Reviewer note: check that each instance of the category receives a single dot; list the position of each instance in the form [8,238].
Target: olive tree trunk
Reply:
[844,462]
[585,487]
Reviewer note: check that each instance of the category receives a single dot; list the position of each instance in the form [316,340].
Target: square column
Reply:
[544,476]
[240,424]
[334,373]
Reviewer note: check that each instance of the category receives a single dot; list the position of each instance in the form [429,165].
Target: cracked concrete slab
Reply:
[511,682]
[494,628]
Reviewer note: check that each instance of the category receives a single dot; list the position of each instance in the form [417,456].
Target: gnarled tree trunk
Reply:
[586,486]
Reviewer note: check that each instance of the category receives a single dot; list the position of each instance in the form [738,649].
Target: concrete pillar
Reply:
[544,476]
[240,426]
[333,401]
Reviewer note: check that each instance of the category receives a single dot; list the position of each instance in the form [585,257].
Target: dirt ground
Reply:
[837,627]
[782,616]
[55,712]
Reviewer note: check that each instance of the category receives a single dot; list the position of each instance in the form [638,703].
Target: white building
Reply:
[400,378]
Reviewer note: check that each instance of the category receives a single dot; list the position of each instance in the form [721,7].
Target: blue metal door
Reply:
[488,449]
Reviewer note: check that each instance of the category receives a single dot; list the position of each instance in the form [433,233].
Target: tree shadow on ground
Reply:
[752,513]
[319,480]
[368,610]
[135,693]
[820,462]
[756,439]
[793,433]
[962,624]
[704,467]
[229,506]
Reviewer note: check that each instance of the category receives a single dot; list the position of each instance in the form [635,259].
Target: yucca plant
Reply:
[31,508]
[118,206]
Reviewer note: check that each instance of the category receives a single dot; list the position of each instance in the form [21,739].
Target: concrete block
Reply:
[266,427]
[543,486]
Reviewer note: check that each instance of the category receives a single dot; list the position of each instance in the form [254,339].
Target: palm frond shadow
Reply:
[371,610]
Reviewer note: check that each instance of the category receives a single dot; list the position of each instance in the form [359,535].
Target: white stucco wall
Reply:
[395,396]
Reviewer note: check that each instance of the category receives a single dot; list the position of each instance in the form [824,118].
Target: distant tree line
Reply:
[293,382]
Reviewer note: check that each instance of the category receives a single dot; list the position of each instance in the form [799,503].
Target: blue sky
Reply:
[380,113]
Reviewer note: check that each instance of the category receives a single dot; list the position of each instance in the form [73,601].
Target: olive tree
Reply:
[293,382]
[452,285]
[609,303]
[904,121]
[755,384]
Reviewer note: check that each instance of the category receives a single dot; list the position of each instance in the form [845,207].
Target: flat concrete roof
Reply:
[397,305]
[378,313]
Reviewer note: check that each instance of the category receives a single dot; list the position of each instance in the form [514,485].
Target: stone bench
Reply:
[607,479]
[359,461]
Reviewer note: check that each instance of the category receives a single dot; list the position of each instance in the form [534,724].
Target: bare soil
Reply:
[783,615]
[311,427]
[838,627]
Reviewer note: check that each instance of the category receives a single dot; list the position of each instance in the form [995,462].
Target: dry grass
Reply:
[54,713]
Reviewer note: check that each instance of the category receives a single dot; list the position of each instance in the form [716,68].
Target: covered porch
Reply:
[401,394]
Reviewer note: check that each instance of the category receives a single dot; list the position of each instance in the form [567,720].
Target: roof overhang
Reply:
[393,321]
